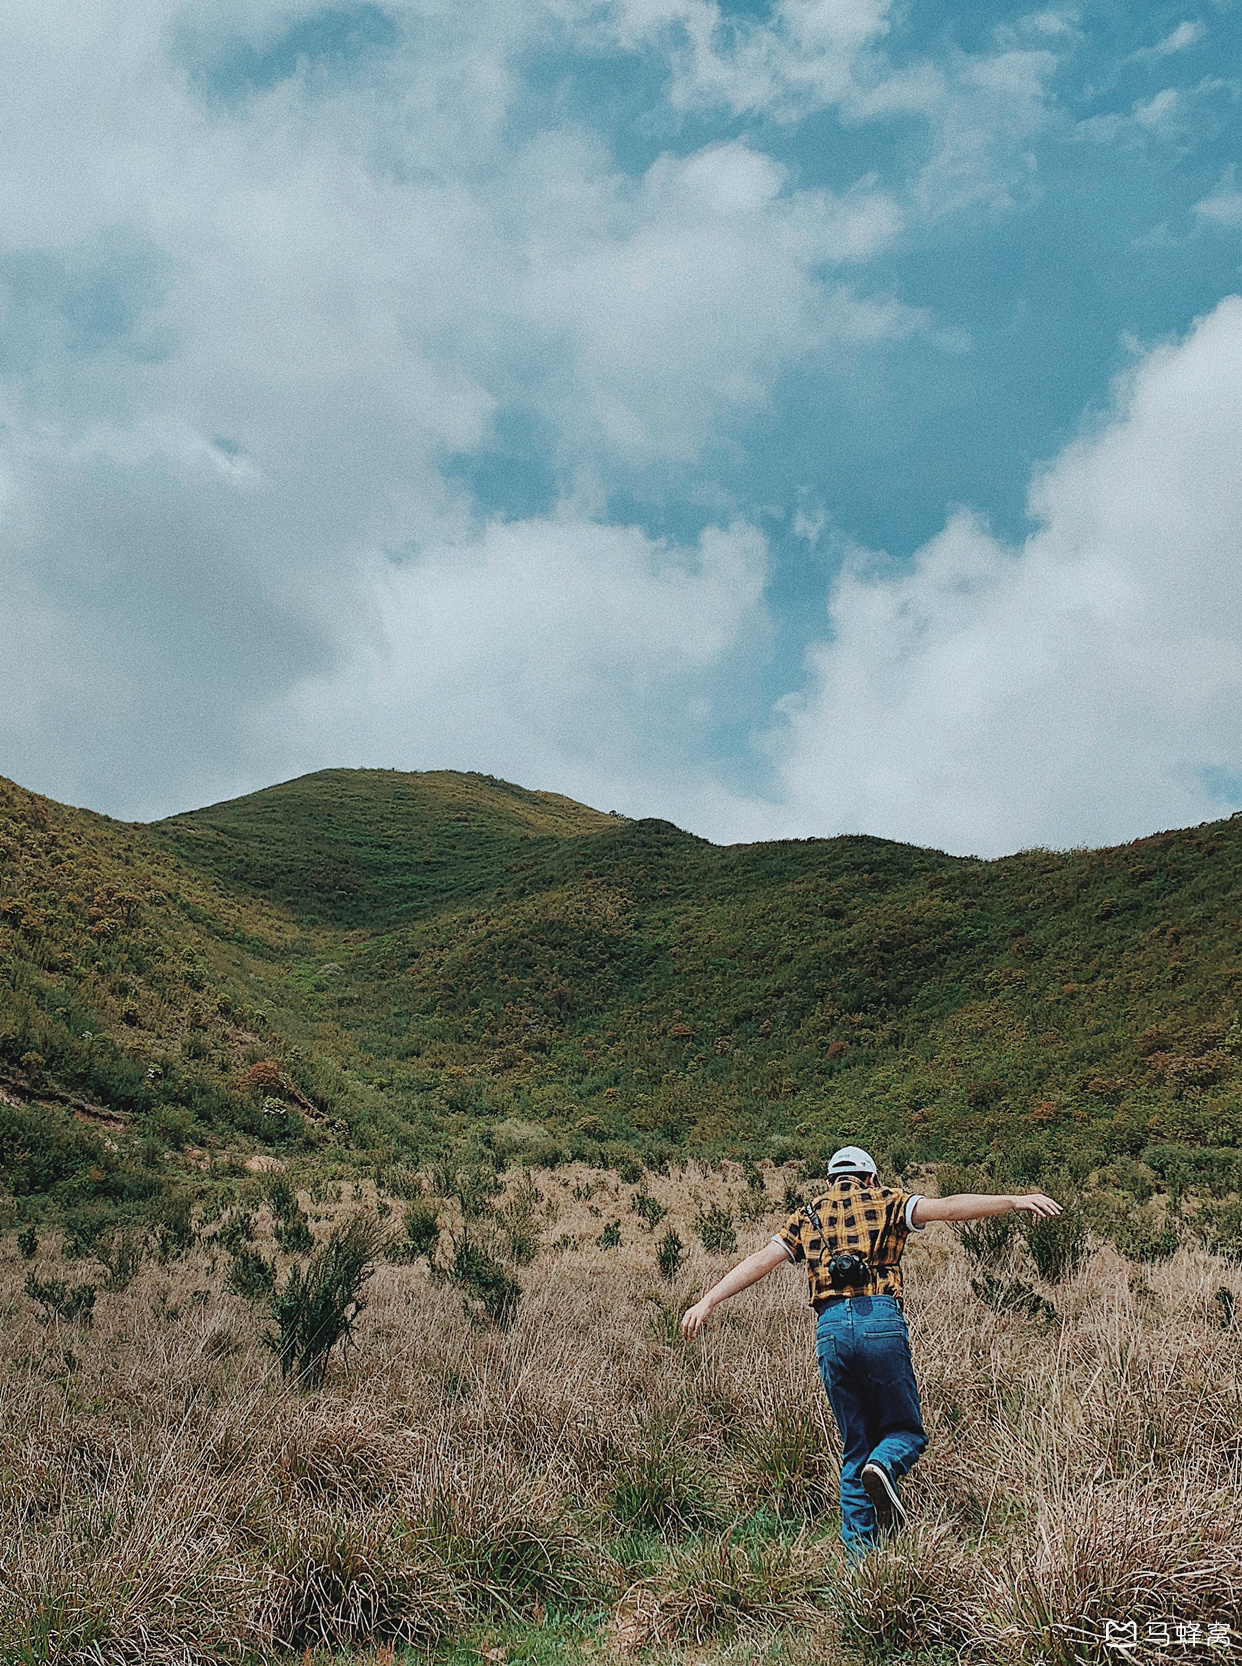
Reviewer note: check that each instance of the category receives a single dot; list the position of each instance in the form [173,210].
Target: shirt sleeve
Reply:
[790,1238]
[914,1198]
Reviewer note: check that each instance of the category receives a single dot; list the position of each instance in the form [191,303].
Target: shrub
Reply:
[1141,1236]
[318,1306]
[648,1208]
[293,1233]
[121,1252]
[174,1227]
[1218,1226]
[250,1276]
[490,1295]
[59,1300]
[422,1233]
[236,1230]
[519,1226]
[669,1253]
[987,1242]
[27,1243]
[715,1229]
[1013,1296]
[610,1237]
[1059,1245]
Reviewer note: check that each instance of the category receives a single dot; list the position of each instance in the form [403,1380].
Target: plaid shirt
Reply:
[872,1220]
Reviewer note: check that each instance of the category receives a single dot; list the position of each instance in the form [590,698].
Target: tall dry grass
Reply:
[167,1498]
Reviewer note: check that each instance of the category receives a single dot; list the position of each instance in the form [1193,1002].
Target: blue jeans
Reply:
[864,1359]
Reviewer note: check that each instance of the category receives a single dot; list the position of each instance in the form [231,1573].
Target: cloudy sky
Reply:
[786,418]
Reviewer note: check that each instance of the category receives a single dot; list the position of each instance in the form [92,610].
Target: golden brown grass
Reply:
[166,1498]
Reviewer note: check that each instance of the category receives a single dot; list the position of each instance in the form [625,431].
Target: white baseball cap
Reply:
[852,1159]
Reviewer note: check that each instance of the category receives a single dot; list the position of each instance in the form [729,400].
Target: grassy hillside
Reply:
[351,847]
[399,964]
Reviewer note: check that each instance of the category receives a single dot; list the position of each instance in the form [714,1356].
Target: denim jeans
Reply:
[864,1359]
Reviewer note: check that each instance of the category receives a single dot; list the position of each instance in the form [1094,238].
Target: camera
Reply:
[848,1270]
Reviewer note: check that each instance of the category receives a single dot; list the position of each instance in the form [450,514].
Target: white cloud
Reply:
[1224,206]
[1185,35]
[551,651]
[321,289]
[1085,687]
[981,110]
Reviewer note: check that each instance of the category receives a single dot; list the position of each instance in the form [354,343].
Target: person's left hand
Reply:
[694,1318]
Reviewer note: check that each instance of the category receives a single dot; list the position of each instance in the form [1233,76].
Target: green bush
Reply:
[235,1231]
[648,1208]
[318,1305]
[292,1232]
[121,1251]
[173,1223]
[490,1295]
[1013,1296]
[1058,1244]
[1218,1227]
[422,1233]
[610,1237]
[669,1253]
[716,1231]
[251,1276]
[1140,1235]
[59,1300]
[987,1242]
[27,1243]
[519,1224]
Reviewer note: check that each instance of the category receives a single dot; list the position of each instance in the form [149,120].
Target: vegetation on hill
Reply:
[403,965]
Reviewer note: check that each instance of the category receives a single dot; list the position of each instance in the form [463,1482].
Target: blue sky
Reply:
[786,418]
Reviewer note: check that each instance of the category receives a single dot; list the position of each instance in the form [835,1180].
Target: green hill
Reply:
[395,963]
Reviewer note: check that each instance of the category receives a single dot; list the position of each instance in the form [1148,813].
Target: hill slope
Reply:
[415,960]
[353,847]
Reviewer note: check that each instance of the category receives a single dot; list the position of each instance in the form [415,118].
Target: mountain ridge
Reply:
[395,963]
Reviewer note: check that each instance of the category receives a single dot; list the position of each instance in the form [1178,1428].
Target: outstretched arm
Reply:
[746,1273]
[974,1206]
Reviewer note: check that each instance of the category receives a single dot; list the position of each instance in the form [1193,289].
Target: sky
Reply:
[788,419]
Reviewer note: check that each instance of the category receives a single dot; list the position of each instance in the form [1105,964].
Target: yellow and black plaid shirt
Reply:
[855,1215]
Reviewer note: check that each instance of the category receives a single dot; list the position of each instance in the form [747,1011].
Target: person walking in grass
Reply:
[852,1239]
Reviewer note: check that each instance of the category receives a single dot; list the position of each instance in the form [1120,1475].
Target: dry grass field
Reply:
[583,1485]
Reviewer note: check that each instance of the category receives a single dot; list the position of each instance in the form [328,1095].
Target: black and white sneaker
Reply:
[881,1489]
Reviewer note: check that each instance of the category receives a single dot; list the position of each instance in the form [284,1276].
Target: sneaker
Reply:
[881,1489]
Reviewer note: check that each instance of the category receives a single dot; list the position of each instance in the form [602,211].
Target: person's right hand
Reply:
[694,1318]
[1038,1204]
